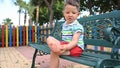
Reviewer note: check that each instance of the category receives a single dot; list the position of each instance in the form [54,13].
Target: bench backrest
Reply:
[97,28]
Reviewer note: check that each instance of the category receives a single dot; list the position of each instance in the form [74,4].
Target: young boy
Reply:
[72,34]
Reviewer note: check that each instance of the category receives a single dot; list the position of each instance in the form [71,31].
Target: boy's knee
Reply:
[49,39]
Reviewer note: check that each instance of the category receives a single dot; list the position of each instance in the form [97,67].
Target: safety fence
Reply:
[11,36]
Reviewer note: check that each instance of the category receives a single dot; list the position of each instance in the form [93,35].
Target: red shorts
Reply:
[76,51]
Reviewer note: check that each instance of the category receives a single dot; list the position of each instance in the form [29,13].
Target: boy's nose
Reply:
[70,14]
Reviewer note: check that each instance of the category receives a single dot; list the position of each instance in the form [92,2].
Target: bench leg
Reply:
[109,63]
[33,60]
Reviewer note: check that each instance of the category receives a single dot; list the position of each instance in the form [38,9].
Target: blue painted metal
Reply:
[20,28]
[10,35]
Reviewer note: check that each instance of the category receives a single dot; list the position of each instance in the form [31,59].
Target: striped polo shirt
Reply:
[68,30]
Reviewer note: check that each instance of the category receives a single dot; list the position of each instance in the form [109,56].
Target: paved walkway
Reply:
[21,57]
[11,58]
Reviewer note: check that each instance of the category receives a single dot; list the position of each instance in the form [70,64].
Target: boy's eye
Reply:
[71,12]
[67,12]
[74,12]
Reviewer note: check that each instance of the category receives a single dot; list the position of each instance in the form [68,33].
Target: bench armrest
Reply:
[110,33]
[113,35]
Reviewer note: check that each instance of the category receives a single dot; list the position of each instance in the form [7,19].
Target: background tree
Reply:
[50,3]
[44,15]
[55,9]
[50,9]
[26,8]
[47,14]
[58,8]
[100,6]
[37,4]
[18,3]
[30,8]
[22,9]
[7,21]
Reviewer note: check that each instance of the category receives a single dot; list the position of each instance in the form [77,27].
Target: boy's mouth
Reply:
[69,18]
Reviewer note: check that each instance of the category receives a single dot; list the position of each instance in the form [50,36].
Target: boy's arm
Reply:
[74,41]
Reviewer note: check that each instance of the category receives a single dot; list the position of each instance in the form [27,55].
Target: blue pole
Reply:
[30,33]
[10,35]
[38,34]
[20,35]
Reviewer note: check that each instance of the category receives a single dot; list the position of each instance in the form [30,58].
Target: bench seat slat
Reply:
[82,60]
[42,47]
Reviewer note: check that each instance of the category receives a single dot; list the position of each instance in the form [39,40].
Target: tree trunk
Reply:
[51,16]
[25,17]
[50,6]
[19,15]
[37,14]
[30,21]
[90,5]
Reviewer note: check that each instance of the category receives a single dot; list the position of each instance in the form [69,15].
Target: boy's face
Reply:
[70,13]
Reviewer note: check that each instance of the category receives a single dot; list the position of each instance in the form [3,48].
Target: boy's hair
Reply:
[73,3]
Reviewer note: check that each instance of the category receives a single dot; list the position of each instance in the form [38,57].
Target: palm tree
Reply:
[7,21]
[37,3]
[19,11]
[18,3]
[30,9]
[26,8]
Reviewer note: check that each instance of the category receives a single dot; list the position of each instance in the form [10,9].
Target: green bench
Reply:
[102,41]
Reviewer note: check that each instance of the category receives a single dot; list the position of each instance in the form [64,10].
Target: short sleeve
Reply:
[78,28]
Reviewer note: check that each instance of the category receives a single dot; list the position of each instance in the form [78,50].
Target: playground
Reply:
[15,51]
[24,29]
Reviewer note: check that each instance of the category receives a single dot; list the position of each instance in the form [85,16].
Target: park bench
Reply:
[102,41]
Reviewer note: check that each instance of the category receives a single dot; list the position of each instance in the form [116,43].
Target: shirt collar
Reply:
[70,23]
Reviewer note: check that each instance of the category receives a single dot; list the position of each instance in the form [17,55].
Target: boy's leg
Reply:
[53,43]
[66,53]
[54,60]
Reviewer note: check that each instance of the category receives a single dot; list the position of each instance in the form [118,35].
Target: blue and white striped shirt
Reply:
[68,30]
